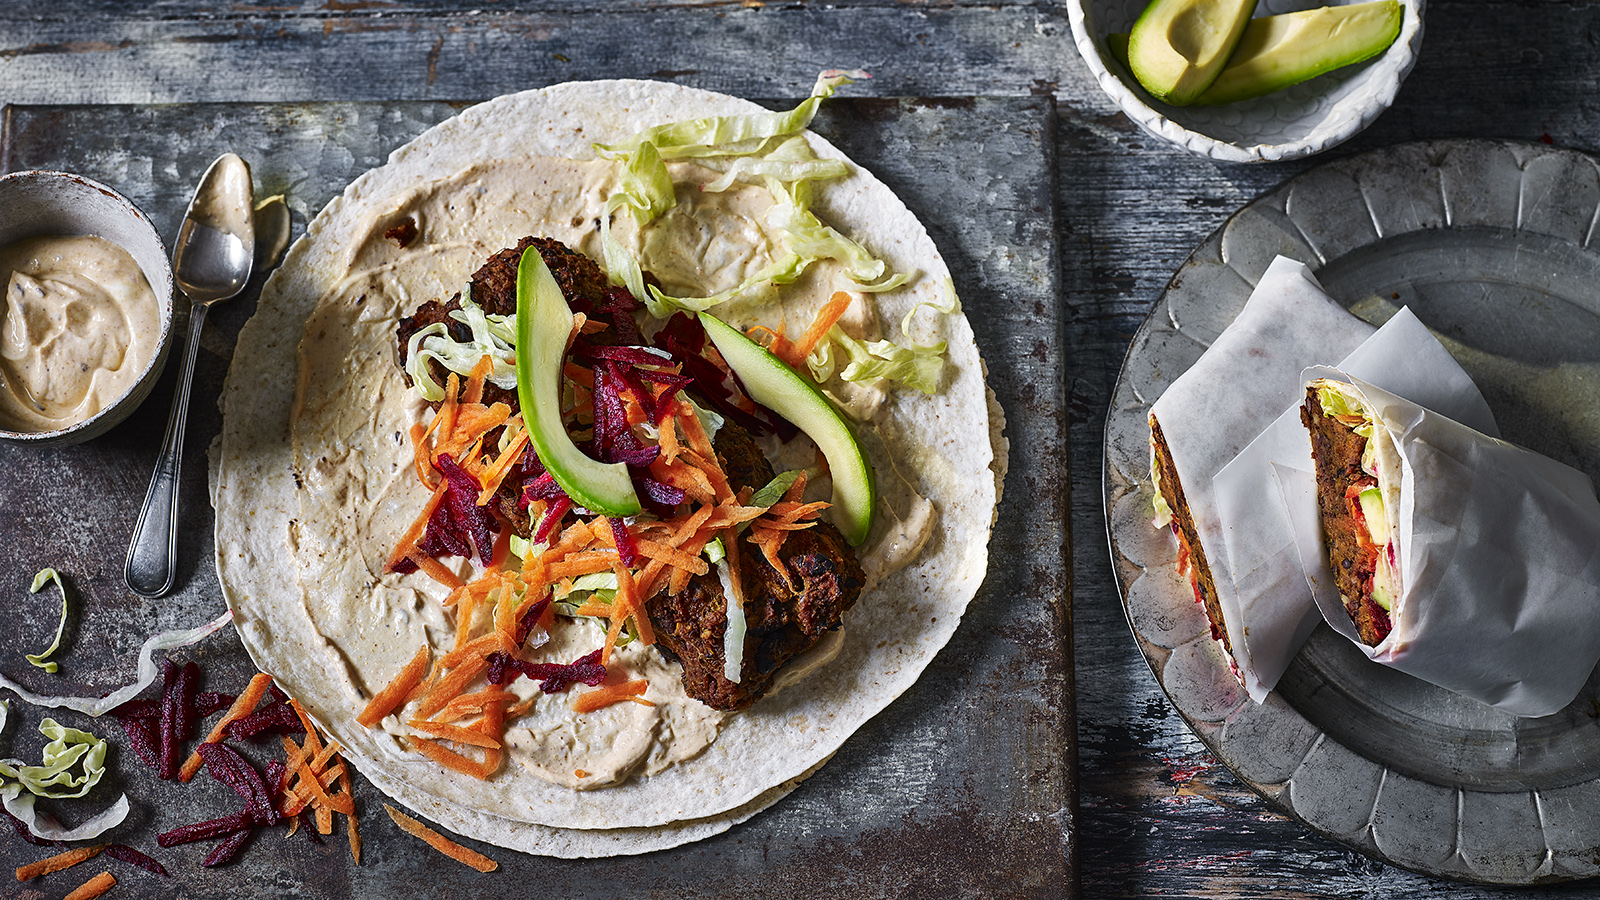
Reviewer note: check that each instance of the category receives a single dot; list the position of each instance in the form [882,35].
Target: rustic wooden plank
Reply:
[763,52]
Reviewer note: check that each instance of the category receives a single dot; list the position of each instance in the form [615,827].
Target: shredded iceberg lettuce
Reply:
[39,581]
[910,364]
[73,762]
[493,335]
[760,148]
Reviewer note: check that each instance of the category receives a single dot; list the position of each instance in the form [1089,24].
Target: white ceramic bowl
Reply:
[1298,121]
[43,203]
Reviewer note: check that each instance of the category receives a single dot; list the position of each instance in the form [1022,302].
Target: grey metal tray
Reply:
[965,786]
[1492,244]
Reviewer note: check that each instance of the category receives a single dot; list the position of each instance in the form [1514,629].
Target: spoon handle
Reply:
[152,555]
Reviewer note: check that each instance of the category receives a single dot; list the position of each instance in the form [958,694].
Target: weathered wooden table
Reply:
[1063,223]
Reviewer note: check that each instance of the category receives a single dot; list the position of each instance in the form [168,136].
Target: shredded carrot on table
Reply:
[242,706]
[63,860]
[94,887]
[439,842]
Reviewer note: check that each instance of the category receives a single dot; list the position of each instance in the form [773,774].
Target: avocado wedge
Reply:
[1278,51]
[1178,47]
[544,322]
[781,389]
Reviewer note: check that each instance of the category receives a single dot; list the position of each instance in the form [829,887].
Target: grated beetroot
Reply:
[142,738]
[685,338]
[129,855]
[627,550]
[553,678]
[552,519]
[529,619]
[227,766]
[200,831]
[273,718]
[469,520]
[177,714]
[228,848]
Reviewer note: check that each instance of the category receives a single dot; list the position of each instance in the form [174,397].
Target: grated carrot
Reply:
[480,371]
[413,533]
[497,471]
[49,865]
[827,316]
[604,696]
[390,698]
[672,556]
[242,706]
[94,887]
[449,758]
[441,843]
[434,569]
[455,733]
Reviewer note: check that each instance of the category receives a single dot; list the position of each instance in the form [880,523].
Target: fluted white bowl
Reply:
[1298,121]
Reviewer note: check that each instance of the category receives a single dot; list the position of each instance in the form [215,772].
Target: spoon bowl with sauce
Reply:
[211,262]
[86,315]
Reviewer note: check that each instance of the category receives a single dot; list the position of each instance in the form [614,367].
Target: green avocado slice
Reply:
[544,321]
[1178,47]
[1279,51]
[781,389]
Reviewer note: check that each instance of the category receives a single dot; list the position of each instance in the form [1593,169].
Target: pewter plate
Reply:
[1496,246]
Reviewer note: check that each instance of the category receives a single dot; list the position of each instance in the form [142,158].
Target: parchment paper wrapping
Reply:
[1271,610]
[1244,381]
[1499,552]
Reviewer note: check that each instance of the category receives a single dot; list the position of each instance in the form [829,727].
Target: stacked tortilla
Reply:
[332,628]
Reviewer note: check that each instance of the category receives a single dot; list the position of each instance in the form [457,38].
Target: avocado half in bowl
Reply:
[1294,121]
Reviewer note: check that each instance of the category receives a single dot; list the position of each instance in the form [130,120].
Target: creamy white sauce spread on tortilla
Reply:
[78,326]
[353,412]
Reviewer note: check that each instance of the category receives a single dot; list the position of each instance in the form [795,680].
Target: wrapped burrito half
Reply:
[1243,381]
[1270,610]
[1456,557]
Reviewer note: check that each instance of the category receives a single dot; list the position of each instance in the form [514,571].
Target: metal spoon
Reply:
[211,261]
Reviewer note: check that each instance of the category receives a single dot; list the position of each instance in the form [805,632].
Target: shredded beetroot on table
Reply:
[142,738]
[129,855]
[273,718]
[177,714]
[553,678]
[200,831]
[226,850]
[530,618]
[227,766]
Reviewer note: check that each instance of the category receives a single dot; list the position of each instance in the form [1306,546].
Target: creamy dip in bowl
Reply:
[86,308]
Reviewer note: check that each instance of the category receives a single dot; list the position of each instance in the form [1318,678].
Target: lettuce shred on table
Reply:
[73,762]
[765,149]
[39,581]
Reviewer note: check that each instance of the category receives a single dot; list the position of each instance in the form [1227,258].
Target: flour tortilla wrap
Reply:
[939,458]
[1499,561]
[1243,382]
[1271,601]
